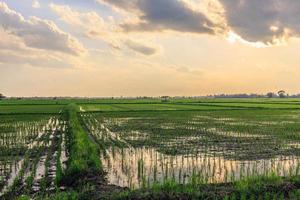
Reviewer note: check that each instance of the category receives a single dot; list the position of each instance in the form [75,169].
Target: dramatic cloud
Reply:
[158,15]
[252,22]
[38,33]
[270,21]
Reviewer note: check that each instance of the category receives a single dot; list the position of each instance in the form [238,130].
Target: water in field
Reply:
[213,147]
[137,167]
[8,172]
[25,147]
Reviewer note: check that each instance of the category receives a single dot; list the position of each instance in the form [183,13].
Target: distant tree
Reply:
[270,94]
[164,98]
[1,96]
[281,93]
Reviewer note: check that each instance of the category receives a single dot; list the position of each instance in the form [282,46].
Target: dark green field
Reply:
[149,149]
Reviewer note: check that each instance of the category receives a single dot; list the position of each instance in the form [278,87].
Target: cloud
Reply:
[36,60]
[91,22]
[123,4]
[13,51]
[268,21]
[95,27]
[252,22]
[158,15]
[36,4]
[38,33]
[141,48]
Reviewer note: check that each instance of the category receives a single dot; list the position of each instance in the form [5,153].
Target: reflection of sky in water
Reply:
[133,167]
[218,149]
[11,166]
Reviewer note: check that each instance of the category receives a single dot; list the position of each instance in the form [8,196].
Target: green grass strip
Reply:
[84,153]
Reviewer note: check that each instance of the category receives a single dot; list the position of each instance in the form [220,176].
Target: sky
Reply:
[97,48]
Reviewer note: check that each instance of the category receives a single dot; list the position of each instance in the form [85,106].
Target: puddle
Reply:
[50,124]
[31,136]
[13,174]
[63,156]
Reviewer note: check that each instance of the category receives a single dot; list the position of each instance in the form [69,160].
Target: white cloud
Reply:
[36,4]
[94,26]
[38,33]
[90,24]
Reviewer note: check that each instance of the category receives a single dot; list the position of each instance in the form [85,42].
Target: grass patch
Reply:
[255,184]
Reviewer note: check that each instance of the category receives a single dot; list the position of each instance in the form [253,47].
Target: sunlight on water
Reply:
[139,167]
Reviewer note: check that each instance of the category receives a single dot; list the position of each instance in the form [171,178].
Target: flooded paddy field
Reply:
[143,148]
[99,148]
[30,146]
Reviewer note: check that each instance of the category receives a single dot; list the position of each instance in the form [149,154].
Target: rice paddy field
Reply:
[141,148]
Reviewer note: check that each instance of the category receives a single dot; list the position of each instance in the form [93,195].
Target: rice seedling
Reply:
[218,146]
[177,147]
[29,142]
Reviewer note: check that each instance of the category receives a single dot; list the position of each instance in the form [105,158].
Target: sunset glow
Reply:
[148,47]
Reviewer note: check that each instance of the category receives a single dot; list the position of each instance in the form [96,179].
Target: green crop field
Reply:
[151,107]
[30,109]
[138,149]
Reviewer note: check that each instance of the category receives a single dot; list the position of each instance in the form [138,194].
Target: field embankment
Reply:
[84,154]
[84,174]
